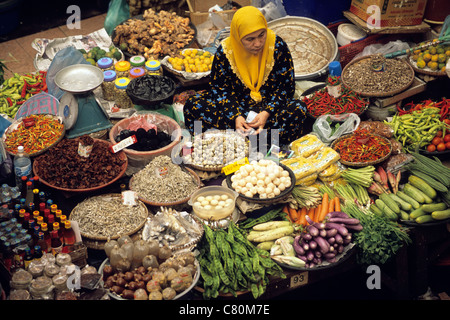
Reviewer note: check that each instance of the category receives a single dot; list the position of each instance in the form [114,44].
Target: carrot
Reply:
[337,205]
[323,207]
[317,212]
[286,209]
[302,220]
[311,212]
[293,214]
[331,204]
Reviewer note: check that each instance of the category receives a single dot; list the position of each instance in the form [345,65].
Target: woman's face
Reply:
[254,42]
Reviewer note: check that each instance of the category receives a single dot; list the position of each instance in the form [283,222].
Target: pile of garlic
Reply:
[264,178]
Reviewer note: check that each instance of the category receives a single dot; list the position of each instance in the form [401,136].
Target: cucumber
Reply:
[414,193]
[387,212]
[405,197]
[441,214]
[429,208]
[375,209]
[424,219]
[417,213]
[390,203]
[406,206]
[422,186]
[404,215]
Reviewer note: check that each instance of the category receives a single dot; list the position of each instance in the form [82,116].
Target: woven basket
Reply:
[362,164]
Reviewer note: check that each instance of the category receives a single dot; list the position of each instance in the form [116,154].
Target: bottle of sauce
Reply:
[42,243]
[47,238]
[69,236]
[28,257]
[37,254]
[56,243]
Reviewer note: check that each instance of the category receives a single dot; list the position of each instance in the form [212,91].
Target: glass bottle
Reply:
[58,214]
[42,243]
[58,229]
[8,255]
[108,84]
[153,67]
[37,255]
[69,236]
[29,197]
[28,257]
[47,237]
[121,97]
[36,214]
[40,221]
[56,243]
[50,220]
[36,196]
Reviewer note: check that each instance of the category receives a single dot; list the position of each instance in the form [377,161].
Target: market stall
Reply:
[122,204]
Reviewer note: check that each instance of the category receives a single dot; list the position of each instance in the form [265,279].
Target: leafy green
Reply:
[380,238]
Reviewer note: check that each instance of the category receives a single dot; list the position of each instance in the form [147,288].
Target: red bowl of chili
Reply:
[362,148]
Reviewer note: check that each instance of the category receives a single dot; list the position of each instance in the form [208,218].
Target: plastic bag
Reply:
[63,58]
[118,12]
[390,47]
[322,127]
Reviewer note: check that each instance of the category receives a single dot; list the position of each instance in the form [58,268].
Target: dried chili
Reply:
[45,131]
[321,102]
[362,147]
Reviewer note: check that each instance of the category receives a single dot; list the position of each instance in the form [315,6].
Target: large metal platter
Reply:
[79,78]
[313,46]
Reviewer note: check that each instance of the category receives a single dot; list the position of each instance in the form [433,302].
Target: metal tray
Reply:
[307,39]
[79,78]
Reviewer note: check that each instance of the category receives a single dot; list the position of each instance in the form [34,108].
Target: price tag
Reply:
[233,167]
[299,280]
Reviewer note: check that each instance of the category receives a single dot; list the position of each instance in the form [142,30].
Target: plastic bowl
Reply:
[213,213]
[143,90]
[165,123]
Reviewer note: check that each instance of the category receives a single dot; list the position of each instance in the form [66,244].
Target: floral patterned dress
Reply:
[229,98]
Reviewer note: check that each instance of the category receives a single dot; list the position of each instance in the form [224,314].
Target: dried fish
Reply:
[107,216]
[162,181]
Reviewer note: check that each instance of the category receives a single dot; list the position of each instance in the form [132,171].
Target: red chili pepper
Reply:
[24,89]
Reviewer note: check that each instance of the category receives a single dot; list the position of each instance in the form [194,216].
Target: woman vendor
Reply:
[252,71]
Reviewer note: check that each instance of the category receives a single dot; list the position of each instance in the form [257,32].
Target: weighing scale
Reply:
[78,107]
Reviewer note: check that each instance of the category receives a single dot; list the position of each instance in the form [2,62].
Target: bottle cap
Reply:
[55,225]
[335,69]
[137,72]
[67,224]
[122,83]
[137,61]
[153,65]
[105,62]
[122,65]
[109,75]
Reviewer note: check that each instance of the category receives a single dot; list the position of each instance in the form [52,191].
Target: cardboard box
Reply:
[391,13]
[198,9]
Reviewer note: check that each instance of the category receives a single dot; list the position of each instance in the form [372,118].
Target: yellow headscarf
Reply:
[251,69]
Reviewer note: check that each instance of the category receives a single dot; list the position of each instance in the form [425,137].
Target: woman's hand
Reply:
[259,121]
[242,126]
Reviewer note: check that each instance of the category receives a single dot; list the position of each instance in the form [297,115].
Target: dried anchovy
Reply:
[361,77]
[106,216]
[173,186]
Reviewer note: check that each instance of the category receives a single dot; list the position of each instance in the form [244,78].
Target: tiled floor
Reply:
[18,55]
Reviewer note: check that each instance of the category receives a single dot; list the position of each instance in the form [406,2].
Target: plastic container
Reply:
[122,68]
[153,67]
[137,61]
[108,85]
[348,33]
[139,159]
[121,97]
[207,203]
[136,72]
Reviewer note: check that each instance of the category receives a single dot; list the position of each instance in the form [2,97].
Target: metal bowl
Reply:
[79,78]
